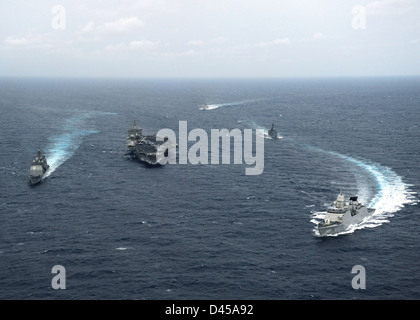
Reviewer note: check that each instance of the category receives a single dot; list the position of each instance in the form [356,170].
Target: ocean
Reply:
[122,230]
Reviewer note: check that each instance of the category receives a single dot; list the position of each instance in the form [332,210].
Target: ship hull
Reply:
[349,219]
[273,135]
[331,230]
[34,180]
[37,172]
[148,159]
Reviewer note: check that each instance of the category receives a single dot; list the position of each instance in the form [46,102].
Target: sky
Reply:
[209,38]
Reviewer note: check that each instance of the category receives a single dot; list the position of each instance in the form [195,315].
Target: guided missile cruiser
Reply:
[38,168]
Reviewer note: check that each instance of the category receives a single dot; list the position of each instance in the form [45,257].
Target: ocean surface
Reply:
[123,230]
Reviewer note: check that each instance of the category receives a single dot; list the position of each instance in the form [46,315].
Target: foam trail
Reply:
[392,193]
[228,104]
[238,103]
[63,146]
[391,196]
[209,107]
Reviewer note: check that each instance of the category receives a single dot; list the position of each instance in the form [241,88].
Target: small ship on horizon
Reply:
[38,168]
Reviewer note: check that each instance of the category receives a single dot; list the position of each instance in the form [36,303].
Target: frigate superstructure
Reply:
[38,168]
[342,215]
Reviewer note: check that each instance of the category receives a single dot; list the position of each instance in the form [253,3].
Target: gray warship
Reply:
[38,168]
[142,148]
[272,133]
[343,214]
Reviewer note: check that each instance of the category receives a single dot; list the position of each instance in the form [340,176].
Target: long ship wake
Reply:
[228,104]
[391,196]
[62,147]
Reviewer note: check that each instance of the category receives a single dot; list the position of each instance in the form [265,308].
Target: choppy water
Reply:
[125,231]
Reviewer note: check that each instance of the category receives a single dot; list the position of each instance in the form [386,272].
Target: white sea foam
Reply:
[227,104]
[62,146]
[392,193]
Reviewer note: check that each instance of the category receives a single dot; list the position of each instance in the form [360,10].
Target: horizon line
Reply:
[206,77]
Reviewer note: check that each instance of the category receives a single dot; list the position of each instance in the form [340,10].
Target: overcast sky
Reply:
[209,38]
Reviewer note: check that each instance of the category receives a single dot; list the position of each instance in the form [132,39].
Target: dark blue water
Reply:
[125,231]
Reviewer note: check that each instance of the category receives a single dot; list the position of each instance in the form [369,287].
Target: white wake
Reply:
[208,107]
[391,196]
[61,147]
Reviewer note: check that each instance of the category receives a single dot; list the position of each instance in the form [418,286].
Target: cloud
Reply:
[123,25]
[212,42]
[189,53]
[195,43]
[16,41]
[274,42]
[388,7]
[45,41]
[117,27]
[143,44]
[134,45]
[89,28]
[318,36]
[219,40]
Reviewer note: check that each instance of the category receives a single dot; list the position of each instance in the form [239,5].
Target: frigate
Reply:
[38,168]
[272,133]
[141,147]
[342,215]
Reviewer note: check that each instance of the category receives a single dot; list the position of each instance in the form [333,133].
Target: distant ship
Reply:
[342,214]
[205,107]
[142,148]
[272,133]
[38,168]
